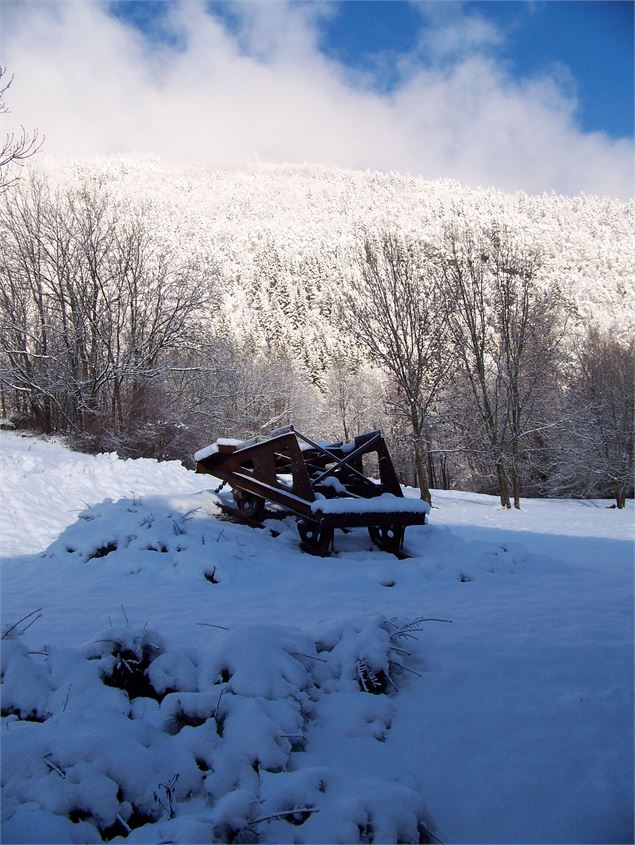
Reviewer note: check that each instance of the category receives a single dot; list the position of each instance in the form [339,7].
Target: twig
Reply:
[211,625]
[406,631]
[53,767]
[308,656]
[284,813]
[407,668]
[32,613]
[32,622]
[170,789]
[429,833]
[125,615]
[125,826]
[431,619]
[391,681]
[68,695]
[218,704]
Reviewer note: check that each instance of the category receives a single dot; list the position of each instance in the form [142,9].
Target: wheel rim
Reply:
[315,538]
[249,505]
[387,537]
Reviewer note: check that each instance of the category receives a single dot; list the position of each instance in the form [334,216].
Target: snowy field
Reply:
[188,679]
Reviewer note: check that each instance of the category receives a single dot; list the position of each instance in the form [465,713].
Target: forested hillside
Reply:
[148,308]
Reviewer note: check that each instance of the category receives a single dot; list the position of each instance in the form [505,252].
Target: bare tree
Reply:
[507,329]
[95,313]
[15,147]
[594,454]
[394,310]
[352,397]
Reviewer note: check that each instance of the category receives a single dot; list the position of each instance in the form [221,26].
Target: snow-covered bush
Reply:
[127,737]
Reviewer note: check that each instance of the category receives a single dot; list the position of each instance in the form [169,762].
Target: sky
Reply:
[536,96]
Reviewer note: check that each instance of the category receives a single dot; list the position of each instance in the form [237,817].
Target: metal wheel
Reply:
[249,505]
[315,539]
[389,538]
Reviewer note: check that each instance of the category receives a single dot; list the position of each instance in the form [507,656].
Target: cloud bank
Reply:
[264,89]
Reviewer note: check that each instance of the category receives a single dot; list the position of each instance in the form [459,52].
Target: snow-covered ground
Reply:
[511,723]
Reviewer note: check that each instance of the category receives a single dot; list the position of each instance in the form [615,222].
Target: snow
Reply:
[214,447]
[34,471]
[386,503]
[170,642]
[280,232]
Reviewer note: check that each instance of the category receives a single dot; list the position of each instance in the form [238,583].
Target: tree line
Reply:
[460,348]
[486,375]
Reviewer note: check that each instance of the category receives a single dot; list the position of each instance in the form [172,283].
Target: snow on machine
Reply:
[322,484]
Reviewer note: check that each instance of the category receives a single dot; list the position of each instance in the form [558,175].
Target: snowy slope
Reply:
[511,723]
[299,226]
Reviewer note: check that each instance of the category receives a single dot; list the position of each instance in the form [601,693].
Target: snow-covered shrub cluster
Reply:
[131,737]
[132,526]
[128,737]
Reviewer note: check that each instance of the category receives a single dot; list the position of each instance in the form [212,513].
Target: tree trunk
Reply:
[516,489]
[41,417]
[515,477]
[432,475]
[620,495]
[420,462]
[503,485]
[445,473]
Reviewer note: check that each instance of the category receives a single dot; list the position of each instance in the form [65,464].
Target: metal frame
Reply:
[255,467]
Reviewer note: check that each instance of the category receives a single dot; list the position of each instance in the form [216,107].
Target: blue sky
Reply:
[591,41]
[533,95]
[587,44]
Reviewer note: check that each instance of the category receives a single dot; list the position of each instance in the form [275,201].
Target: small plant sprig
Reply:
[33,613]
[376,682]
[407,630]
[53,767]
[169,788]
[248,835]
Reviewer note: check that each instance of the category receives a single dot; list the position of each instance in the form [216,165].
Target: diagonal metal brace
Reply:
[365,447]
[334,457]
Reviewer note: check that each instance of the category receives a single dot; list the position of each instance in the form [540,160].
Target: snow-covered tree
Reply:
[594,454]
[15,147]
[506,326]
[353,398]
[394,310]
[94,310]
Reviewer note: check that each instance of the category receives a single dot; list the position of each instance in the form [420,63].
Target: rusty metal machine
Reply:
[323,484]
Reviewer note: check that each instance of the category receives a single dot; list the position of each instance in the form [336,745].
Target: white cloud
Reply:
[94,85]
[453,29]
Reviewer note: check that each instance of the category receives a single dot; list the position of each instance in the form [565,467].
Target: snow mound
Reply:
[130,532]
[128,737]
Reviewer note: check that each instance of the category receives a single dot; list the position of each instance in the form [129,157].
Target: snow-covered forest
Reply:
[149,308]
